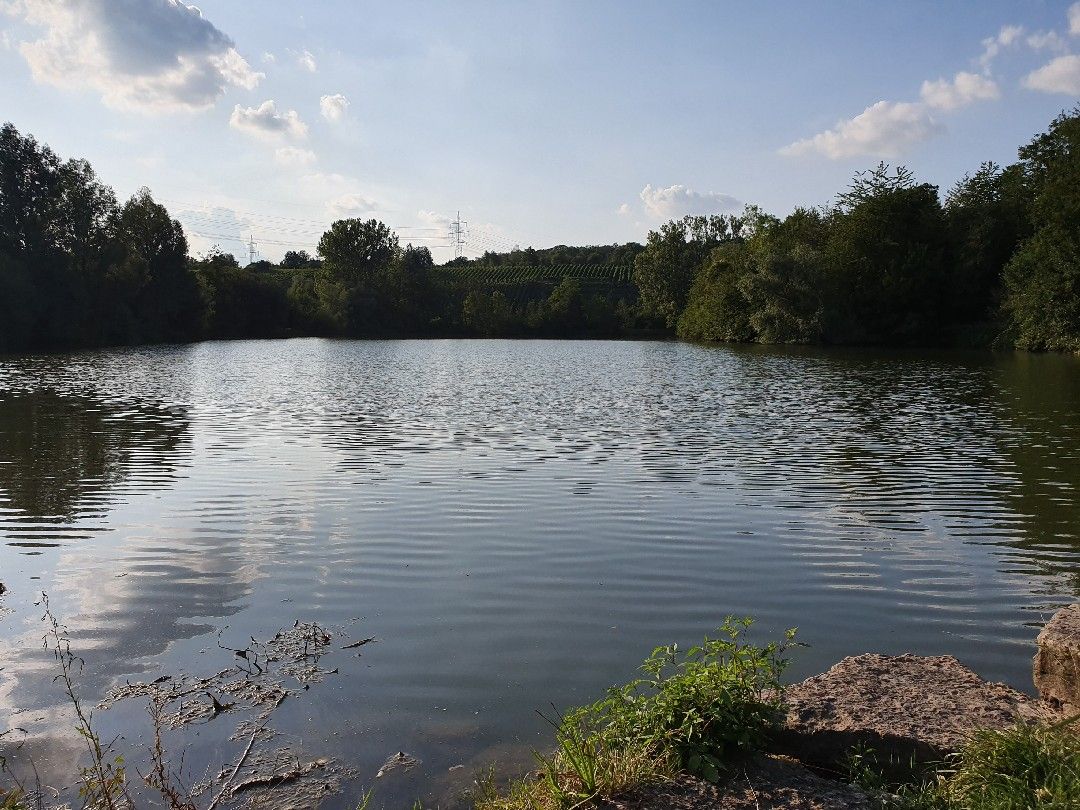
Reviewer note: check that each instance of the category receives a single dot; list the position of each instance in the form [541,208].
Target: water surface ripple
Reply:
[518,523]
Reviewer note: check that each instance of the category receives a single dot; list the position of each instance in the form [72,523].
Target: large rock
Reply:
[907,709]
[1057,663]
[768,782]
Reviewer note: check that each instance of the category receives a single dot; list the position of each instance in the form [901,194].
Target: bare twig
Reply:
[239,764]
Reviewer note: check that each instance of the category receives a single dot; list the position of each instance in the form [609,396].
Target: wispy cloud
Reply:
[306,60]
[266,122]
[293,156]
[890,128]
[351,204]
[884,129]
[333,107]
[1008,36]
[1061,74]
[963,89]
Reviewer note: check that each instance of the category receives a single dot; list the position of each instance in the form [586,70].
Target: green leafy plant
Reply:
[708,706]
[698,711]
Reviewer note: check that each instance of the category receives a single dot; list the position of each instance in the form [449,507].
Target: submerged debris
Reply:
[396,761]
[359,643]
[275,780]
[278,775]
[259,682]
[252,688]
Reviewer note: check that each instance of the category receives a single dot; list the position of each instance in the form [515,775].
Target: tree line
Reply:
[888,262]
[997,262]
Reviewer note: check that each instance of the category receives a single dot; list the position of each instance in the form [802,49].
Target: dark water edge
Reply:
[518,522]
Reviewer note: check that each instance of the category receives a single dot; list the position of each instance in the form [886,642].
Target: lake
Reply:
[517,523]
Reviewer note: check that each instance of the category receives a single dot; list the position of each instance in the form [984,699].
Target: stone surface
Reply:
[906,709]
[769,782]
[1057,663]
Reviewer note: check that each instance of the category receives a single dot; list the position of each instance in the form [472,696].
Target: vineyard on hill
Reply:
[480,273]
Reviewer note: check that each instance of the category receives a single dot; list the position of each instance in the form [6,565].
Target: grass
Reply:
[1027,766]
[1024,767]
[697,711]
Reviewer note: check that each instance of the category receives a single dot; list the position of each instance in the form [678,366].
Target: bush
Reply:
[698,711]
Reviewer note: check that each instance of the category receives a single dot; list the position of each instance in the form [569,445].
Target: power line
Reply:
[199,209]
[207,225]
[459,231]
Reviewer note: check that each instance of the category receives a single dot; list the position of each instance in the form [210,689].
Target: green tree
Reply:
[295,259]
[784,286]
[240,302]
[487,314]
[1042,281]
[717,309]
[163,292]
[664,271]
[989,215]
[411,297]
[18,304]
[886,260]
[30,196]
[564,309]
[357,257]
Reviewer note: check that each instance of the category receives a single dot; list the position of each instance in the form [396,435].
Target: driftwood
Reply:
[359,643]
[279,778]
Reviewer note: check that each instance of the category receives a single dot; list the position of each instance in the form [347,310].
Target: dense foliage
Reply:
[78,268]
[700,711]
[888,262]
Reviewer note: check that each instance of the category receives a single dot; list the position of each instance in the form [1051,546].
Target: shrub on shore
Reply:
[697,712]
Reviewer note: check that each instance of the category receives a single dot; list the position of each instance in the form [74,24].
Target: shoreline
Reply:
[873,731]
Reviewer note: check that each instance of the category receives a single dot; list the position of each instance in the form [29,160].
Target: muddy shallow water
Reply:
[517,523]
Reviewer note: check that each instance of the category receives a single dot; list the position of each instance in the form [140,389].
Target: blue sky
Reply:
[544,122]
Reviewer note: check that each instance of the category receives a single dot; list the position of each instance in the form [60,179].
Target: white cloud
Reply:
[292,156]
[624,210]
[351,205]
[269,58]
[333,107]
[1046,40]
[432,220]
[1074,19]
[678,200]
[992,46]
[142,54]
[266,122]
[885,129]
[1010,34]
[1061,75]
[964,89]
[306,60]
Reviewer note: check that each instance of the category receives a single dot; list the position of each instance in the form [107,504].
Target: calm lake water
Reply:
[517,523]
